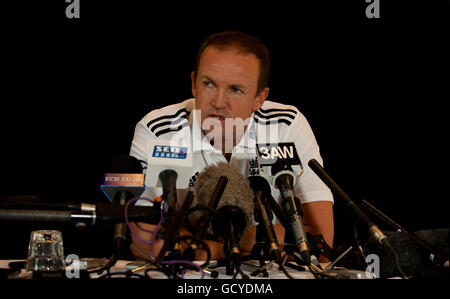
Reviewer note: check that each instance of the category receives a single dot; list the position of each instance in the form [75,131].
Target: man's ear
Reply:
[193,88]
[260,98]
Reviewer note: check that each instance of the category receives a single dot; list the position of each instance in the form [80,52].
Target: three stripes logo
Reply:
[169,123]
[274,116]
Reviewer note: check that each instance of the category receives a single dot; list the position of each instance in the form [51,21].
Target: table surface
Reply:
[246,267]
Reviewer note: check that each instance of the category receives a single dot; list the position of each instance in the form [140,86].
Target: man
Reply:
[229,84]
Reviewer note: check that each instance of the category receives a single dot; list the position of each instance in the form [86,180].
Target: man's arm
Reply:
[318,219]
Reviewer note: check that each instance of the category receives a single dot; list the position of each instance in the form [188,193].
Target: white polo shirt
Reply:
[273,123]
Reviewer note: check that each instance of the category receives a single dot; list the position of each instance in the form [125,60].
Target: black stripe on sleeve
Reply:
[273,121]
[274,115]
[277,110]
[166,117]
[168,123]
[160,132]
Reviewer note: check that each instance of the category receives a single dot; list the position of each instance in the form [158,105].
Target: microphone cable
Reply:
[388,245]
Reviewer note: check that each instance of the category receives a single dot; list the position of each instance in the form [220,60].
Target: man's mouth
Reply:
[218,116]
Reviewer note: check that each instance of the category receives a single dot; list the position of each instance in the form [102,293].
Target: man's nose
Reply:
[220,100]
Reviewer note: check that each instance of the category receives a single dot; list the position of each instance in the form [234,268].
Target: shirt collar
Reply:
[201,143]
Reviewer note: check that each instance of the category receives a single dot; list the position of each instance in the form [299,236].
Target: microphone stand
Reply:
[260,252]
[229,265]
[172,227]
[355,247]
[232,260]
[289,246]
[120,232]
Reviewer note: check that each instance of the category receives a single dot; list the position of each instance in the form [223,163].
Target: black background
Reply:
[373,91]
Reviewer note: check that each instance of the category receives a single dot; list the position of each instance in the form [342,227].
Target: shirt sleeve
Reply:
[308,186]
[139,150]
[139,144]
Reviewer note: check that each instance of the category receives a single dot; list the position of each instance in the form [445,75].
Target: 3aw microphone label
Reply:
[270,153]
[171,152]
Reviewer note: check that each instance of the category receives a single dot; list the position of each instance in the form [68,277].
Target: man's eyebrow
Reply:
[240,86]
[243,87]
[207,78]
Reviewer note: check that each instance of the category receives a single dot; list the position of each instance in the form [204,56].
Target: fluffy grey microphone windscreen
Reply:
[236,193]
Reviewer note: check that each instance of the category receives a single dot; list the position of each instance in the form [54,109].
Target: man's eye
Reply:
[207,83]
[236,90]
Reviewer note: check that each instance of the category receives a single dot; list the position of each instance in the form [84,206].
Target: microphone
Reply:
[169,167]
[277,210]
[262,191]
[201,225]
[282,157]
[203,221]
[356,211]
[237,191]
[102,214]
[435,256]
[235,207]
[124,182]
[174,225]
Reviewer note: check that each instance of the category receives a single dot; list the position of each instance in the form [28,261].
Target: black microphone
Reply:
[356,211]
[199,223]
[169,167]
[103,214]
[168,179]
[235,207]
[278,211]
[236,191]
[435,256]
[262,191]
[284,180]
[174,225]
[124,181]
[231,226]
[203,221]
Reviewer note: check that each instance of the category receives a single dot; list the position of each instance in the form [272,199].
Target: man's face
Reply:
[226,87]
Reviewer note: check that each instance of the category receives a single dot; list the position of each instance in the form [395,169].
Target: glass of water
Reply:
[46,252]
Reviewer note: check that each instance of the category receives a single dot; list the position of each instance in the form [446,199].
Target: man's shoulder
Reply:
[277,106]
[168,118]
[276,113]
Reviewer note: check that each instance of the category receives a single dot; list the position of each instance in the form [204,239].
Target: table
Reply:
[247,267]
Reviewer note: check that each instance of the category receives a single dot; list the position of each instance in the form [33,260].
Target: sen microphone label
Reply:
[171,152]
